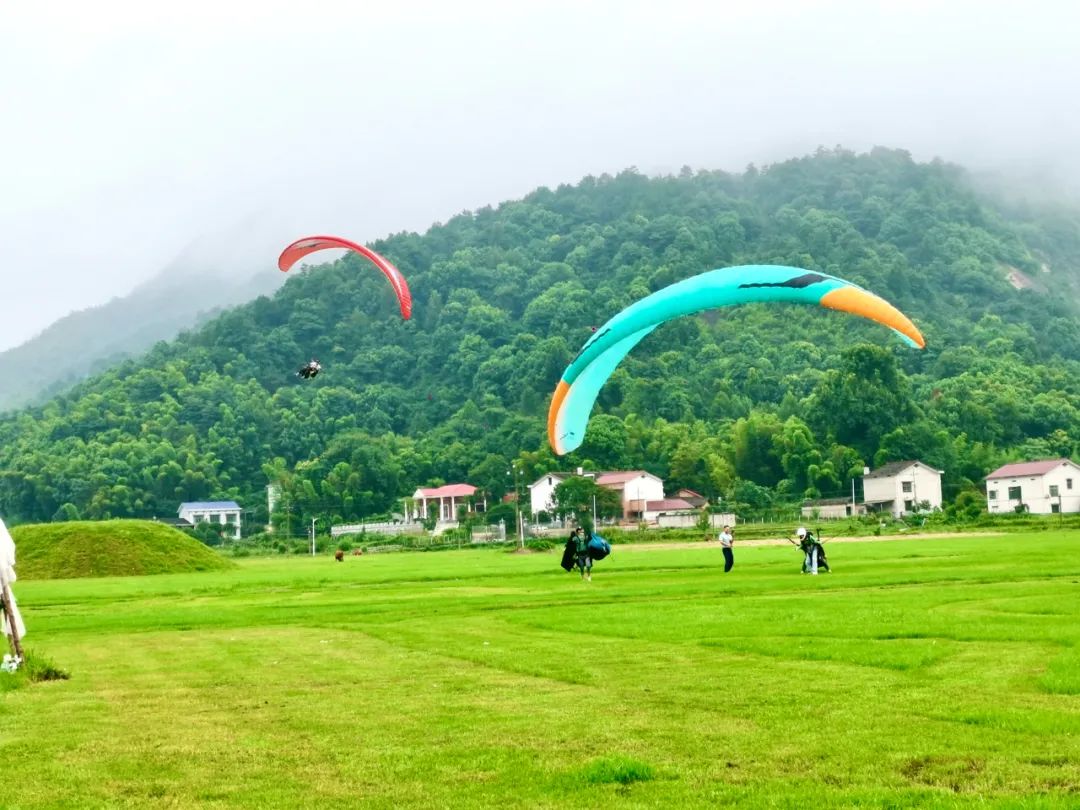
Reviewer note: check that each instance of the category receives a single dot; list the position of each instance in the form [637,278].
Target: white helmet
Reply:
[800,532]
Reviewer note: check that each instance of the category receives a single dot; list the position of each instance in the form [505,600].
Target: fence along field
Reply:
[933,673]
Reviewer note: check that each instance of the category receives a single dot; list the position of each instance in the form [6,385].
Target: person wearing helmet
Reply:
[808,546]
[581,553]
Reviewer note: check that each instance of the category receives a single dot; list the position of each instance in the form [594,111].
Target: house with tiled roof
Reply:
[1041,487]
[669,508]
[695,499]
[447,498]
[635,487]
[900,486]
[832,508]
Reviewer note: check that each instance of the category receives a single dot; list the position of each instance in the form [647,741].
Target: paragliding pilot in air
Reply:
[310,370]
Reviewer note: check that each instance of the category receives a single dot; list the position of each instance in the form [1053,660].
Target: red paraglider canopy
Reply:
[309,244]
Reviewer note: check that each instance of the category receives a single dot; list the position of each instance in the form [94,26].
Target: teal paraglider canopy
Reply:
[576,392]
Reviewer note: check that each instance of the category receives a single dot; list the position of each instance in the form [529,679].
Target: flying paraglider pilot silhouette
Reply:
[310,370]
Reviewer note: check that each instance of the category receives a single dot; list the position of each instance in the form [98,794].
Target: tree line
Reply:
[758,405]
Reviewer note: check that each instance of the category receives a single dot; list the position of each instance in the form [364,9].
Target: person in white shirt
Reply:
[809,548]
[726,542]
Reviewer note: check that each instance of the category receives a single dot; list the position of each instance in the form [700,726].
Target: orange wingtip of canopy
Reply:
[860,302]
[557,398]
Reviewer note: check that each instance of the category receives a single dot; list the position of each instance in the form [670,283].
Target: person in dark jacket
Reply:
[311,370]
[581,554]
[813,551]
[570,552]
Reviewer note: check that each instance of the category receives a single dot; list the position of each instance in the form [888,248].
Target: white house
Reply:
[1041,487]
[542,493]
[226,513]
[635,488]
[899,486]
[448,498]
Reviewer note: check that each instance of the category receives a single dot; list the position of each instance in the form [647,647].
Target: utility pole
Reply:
[517,500]
[313,537]
[515,472]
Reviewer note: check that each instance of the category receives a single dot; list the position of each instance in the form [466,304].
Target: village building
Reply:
[446,499]
[832,508]
[900,487]
[224,513]
[635,487]
[542,493]
[695,499]
[1041,487]
[670,512]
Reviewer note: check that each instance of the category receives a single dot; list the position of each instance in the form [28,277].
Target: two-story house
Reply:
[900,487]
[542,492]
[1042,487]
[636,489]
[225,513]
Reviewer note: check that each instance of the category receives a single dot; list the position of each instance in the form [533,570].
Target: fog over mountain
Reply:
[214,272]
[133,130]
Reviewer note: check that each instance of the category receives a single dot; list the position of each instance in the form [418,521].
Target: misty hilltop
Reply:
[194,287]
[757,404]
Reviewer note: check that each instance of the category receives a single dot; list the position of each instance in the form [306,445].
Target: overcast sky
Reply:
[129,129]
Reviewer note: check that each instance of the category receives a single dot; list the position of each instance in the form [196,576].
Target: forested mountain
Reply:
[186,294]
[757,403]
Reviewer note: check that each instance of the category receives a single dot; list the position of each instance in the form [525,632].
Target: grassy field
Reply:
[922,673]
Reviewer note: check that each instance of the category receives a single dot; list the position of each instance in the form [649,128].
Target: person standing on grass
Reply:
[727,541]
[581,554]
[569,557]
[809,548]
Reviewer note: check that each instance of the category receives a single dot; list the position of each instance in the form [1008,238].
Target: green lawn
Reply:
[925,673]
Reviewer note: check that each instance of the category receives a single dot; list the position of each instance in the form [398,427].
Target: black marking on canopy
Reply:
[798,282]
[590,342]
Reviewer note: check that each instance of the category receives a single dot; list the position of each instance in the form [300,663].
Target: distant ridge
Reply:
[86,342]
[190,291]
